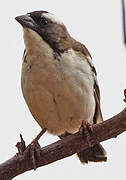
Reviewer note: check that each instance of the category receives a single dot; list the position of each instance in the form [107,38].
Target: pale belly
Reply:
[58,100]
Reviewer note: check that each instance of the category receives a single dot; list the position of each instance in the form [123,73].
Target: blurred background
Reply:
[97,24]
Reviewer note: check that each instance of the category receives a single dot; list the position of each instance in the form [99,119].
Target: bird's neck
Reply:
[35,44]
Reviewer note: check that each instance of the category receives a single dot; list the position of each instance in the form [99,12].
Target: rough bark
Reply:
[68,146]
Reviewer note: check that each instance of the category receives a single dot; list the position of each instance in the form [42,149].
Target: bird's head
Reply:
[41,26]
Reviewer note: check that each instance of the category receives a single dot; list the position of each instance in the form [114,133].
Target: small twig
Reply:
[21,145]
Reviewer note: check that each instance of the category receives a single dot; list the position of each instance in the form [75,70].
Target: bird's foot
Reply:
[62,136]
[35,152]
[86,130]
[33,149]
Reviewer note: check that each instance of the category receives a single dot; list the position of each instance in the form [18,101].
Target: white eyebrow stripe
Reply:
[52,17]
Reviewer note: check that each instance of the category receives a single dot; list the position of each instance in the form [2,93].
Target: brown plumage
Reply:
[59,81]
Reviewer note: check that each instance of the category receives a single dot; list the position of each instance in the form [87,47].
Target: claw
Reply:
[90,128]
[86,130]
[33,148]
[35,152]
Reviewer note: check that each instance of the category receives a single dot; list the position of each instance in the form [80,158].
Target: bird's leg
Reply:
[86,130]
[62,136]
[35,148]
[37,137]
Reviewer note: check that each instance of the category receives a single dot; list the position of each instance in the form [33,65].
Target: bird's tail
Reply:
[95,154]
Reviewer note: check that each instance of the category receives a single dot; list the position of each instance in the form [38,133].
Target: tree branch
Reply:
[63,148]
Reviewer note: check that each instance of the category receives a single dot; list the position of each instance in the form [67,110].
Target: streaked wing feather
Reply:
[98,115]
[77,46]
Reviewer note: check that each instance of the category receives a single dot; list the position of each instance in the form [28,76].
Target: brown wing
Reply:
[98,115]
[77,46]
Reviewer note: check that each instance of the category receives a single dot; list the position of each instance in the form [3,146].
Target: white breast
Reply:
[59,93]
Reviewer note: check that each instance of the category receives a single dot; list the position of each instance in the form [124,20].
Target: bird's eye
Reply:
[41,21]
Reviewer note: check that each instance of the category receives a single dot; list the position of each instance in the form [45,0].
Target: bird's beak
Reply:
[26,21]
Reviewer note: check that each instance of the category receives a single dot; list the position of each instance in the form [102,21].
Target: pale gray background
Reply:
[98,25]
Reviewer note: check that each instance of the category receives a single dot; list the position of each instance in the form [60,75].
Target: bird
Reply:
[59,81]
